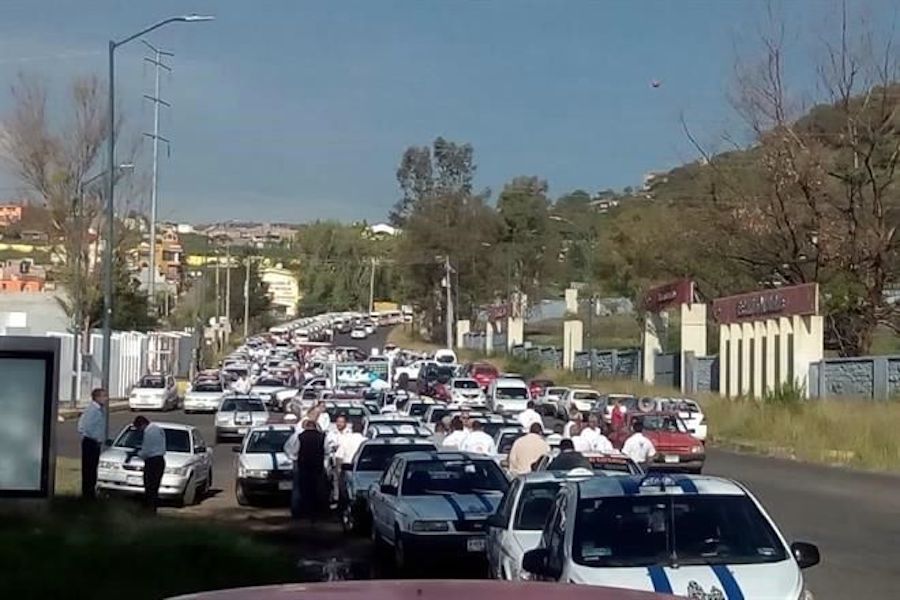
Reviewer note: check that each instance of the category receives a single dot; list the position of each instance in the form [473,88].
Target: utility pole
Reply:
[247,299]
[157,101]
[449,315]
[228,286]
[218,302]
[372,287]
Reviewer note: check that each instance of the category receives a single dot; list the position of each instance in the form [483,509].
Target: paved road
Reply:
[853,517]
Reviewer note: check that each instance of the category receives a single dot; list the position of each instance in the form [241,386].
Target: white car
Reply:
[274,392]
[369,327]
[466,392]
[411,370]
[189,464]
[262,469]
[237,415]
[445,356]
[154,392]
[506,394]
[554,394]
[690,412]
[359,333]
[516,526]
[581,399]
[393,419]
[690,536]
[433,504]
[204,395]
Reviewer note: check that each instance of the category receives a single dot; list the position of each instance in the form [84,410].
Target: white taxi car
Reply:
[516,526]
[693,536]
[262,469]
[189,464]
[154,392]
[429,504]
[465,391]
[237,414]
[204,395]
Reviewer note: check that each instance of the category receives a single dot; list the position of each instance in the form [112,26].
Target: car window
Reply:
[507,440]
[511,393]
[418,409]
[177,440]
[242,405]
[395,475]
[377,457]
[667,423]
[702,529]
[504,510]
[151,383]
[554,534]
[207,386]
[267,442]
[535,505]
[465,384]
[455,476]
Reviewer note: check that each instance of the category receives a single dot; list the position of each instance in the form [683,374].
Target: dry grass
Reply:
[68,476]
[404,336]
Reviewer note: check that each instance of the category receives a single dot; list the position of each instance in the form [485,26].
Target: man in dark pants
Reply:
[153,451]
[92,428]
[310,470]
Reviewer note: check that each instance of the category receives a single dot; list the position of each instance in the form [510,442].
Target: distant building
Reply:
[22,275]
[183,228]
[29,313]
[382,229]
[284,290]
[169,257]
[10,213]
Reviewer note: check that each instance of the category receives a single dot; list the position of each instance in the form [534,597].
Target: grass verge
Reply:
[78,550]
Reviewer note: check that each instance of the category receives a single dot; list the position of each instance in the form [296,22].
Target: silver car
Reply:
[154,392]
[262,469]
[237,414]
[204,395]
[189,464]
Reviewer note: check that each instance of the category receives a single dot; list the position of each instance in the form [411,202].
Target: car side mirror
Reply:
[388,489]
[236,449]
[347,467]
[806,555]
[535,561]
[200,450]
[496,520]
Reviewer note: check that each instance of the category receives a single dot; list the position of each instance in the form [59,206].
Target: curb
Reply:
[70,414]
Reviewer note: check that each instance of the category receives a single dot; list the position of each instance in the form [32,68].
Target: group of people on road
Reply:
[92,426]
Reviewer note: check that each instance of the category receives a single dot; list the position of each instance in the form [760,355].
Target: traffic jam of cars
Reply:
[456,463]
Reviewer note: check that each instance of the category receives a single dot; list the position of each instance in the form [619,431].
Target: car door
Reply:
[556,528]
[497,537]
[392,501]
[378,499]
[203,455]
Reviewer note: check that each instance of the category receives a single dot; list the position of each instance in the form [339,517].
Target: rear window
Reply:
[453,476]
[534,506]
[511,393]
[377,457]
[207,386]
[242,405]
[418,409]
[465,384]
[267,442]
[152,382]
[486,370]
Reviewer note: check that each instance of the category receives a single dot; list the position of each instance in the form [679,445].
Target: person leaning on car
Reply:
[527,450]
[153,451]
[92,428]
[568,458]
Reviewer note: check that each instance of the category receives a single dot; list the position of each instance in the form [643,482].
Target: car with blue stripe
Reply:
[262,470]
[369,464]
[692,536]
[431,504]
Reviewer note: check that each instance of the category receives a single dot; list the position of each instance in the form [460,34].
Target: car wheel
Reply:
[189,497]
[240,495]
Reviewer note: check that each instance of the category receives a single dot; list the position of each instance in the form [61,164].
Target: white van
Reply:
[508,395]
[445,356]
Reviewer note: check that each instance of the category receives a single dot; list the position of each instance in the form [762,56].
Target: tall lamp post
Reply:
[110,201]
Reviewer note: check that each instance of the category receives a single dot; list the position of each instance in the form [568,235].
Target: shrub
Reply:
[524,366]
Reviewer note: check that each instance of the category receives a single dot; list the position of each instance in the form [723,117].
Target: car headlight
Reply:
[696,449]
[253,473]
[108,464]
[181,471]
[430,526]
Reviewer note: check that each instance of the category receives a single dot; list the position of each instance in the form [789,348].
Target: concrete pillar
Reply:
[809,346]
[573,340]
[724,360]
[572,301]
[747,334]
[784,329]
[489,338]
[734,337]
[693,334]
[650,346]
[771,333]
[759,335]
[462,328]
[515,332]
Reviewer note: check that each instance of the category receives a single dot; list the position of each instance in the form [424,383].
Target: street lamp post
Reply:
[110,200]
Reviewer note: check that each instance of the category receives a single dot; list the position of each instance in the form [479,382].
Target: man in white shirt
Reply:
[572,428]
[92,429]
[242,385]
[637,447]
[478,441]
[457,435]
[529,416]
[593,434]
[333,437]
[153,451]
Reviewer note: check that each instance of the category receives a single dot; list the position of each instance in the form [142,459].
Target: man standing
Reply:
[333,440]
[310,469]
[92,429]
[637,447]
[153,451]
[457,434]
[527,450]
[568,458]
[593,434]
[478,441]
[529,416]
[617,419]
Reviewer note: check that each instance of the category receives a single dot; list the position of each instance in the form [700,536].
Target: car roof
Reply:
[169,425]
[444,455]
[398,440]
[548,476]
[273,427]
[654,483]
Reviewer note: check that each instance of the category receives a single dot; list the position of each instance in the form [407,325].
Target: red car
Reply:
[676,448]
[537,386]
[484,374]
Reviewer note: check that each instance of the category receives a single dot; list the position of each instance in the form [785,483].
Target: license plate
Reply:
[672,458]
[243,430]
[134,480]
[475,545]
[285,486]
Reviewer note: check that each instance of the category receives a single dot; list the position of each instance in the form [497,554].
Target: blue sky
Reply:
[297,110]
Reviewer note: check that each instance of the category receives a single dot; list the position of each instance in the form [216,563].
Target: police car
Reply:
[693,536]
[435,503]
[369,464]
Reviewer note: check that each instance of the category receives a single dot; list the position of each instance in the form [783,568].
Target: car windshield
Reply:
[511,393]
[492,427]
[608,464]
[377,457]
[152,382]
[666,423]
[242,405]
[267,442]
[485,371]
[630,531]
[507,440]
[465,384]
[269,383]
[593,396]
[444,374]
[177,440]
[534,505]
[437,414]
[453,476]
[207,386]
[417,409]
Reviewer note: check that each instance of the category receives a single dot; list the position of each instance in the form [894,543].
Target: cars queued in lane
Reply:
[237,415]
